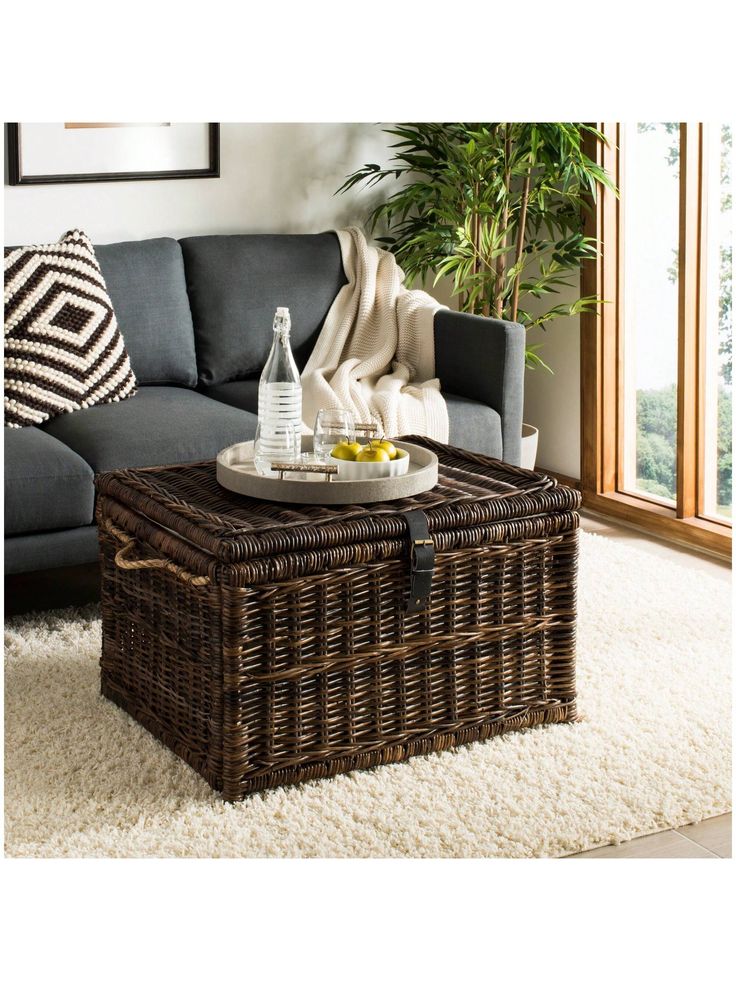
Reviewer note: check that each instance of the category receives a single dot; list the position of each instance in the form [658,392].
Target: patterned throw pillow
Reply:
[63,348]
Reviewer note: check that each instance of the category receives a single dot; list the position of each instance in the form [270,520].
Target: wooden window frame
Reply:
[602,362]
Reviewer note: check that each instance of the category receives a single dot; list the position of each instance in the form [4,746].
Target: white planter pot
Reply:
[529,440]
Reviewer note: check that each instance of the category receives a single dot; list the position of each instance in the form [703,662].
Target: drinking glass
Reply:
[332,426]
[276,443]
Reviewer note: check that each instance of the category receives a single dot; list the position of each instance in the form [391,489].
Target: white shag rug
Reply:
[652,750]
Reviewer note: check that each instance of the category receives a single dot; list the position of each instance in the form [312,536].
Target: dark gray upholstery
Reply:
[157,426]
[242,394]
[146,284]
[474,426]
[47,486]
[483,359]
[235,283]
[51,549]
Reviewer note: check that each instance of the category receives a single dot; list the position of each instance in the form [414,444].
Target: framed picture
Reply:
[75,153]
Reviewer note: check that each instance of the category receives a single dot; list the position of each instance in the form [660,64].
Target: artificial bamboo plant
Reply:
[498,206]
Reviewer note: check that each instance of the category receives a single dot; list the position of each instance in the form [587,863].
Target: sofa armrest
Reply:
[483,359]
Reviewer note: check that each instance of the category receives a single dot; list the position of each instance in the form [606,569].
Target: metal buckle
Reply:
[415,543]
[421,561]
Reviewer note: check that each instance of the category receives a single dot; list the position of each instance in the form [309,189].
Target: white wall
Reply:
[282,178]
[275,178]
[552,402]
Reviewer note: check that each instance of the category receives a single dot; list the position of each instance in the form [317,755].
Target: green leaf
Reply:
[446,174]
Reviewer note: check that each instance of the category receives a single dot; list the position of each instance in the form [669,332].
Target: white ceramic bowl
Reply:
[351,470]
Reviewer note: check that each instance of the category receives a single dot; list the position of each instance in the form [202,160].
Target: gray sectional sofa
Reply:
[196,315]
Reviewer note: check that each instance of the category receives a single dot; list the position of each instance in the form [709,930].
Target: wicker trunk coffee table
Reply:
[267,644]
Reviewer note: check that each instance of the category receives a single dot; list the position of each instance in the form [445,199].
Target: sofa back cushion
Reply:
[235,283]
[148,290]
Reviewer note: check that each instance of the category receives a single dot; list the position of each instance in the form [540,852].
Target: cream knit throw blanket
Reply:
[375,352]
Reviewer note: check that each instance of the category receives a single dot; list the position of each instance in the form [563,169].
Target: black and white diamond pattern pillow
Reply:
[63,348]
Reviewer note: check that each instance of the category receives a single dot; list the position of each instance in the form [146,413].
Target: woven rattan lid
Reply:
[187,501]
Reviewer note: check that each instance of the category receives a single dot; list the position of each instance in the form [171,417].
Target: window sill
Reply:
[711,536]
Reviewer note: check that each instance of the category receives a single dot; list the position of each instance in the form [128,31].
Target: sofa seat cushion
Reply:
[474,426]
[51,550]
[146,283]
[47,486]
[159,426]
[235,283]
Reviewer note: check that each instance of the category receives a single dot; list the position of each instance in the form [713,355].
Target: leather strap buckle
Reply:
[422,561]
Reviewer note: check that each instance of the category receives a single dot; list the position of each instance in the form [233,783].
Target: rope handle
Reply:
[123,562]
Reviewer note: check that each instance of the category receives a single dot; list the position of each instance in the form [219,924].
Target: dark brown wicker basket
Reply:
[269,644]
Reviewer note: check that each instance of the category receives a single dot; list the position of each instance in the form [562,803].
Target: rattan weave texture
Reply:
[269,644]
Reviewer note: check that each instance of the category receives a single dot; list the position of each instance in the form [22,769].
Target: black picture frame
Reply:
[15,176]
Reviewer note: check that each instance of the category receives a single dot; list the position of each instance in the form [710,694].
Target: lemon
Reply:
[385,444]
[372,454]
[346,451]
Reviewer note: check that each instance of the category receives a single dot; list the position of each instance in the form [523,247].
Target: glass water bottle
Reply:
[279,397]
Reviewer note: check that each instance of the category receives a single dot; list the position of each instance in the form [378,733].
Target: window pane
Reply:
[719,324]
[650,202]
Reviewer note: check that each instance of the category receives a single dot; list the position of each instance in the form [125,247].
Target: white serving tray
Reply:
[236,472]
